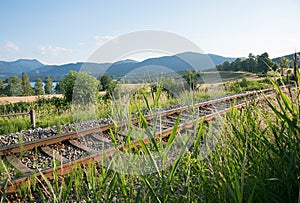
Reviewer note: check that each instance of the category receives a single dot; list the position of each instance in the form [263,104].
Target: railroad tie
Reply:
[169,122]
[101,138]
[173,117]
[158,125]
[17,163]
[54,154]
[81,146]
[187,116]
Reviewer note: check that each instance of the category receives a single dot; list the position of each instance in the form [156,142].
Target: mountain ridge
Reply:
[289,56]
[177,62]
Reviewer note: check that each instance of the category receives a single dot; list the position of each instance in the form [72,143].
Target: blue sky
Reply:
[57,32]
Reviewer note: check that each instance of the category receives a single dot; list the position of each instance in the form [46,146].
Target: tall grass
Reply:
[255,158]
[14,124]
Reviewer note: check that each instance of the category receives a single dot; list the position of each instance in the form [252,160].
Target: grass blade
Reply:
[150,188]
[4,191]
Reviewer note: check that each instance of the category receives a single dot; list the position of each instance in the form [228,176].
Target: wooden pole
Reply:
[295,68]
[32,118]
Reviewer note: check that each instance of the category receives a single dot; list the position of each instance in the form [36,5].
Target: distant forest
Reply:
[256,64]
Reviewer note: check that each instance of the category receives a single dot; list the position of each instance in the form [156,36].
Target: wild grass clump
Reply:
[14,124]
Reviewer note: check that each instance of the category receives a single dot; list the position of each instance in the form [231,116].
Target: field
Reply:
[6,100]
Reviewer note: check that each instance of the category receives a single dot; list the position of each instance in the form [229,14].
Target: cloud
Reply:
[102,39]
[54,50]
[10,46]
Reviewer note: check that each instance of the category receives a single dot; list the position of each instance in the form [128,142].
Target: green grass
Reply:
[245,85]
[48,112]
[14,124]
[226,76]
[256,158]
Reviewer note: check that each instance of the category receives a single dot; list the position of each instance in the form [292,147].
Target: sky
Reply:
[65,31]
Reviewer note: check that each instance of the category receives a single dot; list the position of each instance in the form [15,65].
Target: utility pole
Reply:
[295,68]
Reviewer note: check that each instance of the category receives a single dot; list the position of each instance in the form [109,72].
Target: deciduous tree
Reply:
[66,85]
[105,82]
[284,63]
[81,88]
[85,89]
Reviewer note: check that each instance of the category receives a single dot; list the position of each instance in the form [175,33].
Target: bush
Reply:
[244,85]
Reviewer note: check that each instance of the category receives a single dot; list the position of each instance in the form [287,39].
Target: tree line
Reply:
[15,86]
[79,82]
[255,64]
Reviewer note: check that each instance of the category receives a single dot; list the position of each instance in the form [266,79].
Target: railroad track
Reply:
[36,157]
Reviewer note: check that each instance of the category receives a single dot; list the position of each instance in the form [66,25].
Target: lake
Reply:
[54,84]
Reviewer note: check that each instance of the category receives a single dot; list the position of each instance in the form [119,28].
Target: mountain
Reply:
[126,61]
[217,60]
[178,62]
[290,56]
[17,67]
[57,72]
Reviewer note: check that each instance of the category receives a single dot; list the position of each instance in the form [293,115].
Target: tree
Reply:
[105,82]
[66,85]
[251,62]
[224,66]
[111,88]
[264,63]
[2,88]
[173,87]
[259,64]
[13,87]
[48,85]
[85,89]
[191,78]
[236,65]
[284,63]
[80,87]
[26,87]
[38,87]
[58,89]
